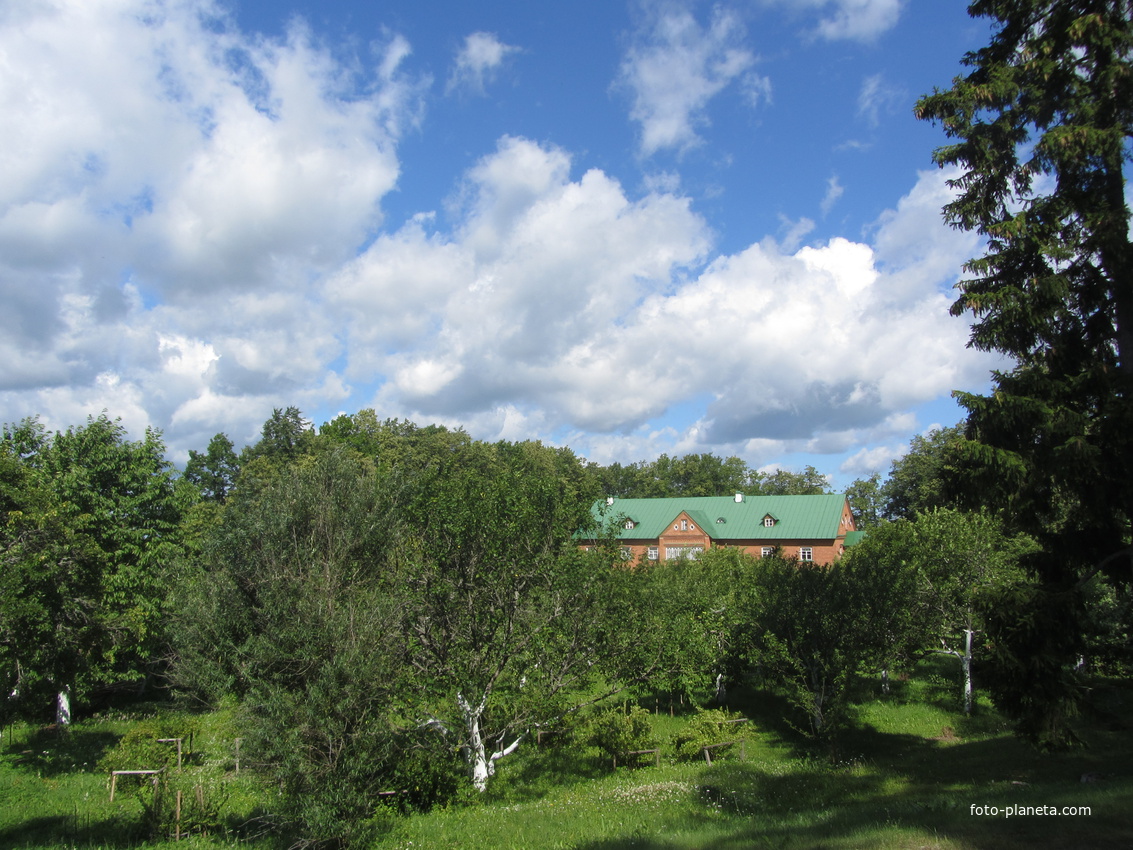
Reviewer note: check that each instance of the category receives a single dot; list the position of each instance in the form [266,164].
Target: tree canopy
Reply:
[1043,123]
[92,520]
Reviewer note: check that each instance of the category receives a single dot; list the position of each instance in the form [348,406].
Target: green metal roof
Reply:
[854,537]
[813,517]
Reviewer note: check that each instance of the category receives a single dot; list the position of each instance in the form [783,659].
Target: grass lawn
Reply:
[906,774]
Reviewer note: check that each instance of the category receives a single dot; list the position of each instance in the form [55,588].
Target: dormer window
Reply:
[768,521]
[720,520]
[630,523]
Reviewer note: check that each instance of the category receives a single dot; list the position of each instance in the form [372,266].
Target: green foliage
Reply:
[293,607]
[1026,670]
[214,472]
[285,437]
[90,521]
[142,747]
[702,475]
[938,573]
[706,729]
[811,629]
[865,496]
[922,479]
[618,732]
[689,615]
[1042,125]
[783,482]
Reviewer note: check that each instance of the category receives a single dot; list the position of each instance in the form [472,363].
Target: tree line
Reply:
[401,607]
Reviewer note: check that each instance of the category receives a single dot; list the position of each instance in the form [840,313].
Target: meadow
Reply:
[906,772]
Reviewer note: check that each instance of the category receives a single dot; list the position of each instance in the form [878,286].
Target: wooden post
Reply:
[238,740]
[177,819]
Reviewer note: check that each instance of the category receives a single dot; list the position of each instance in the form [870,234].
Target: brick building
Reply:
[811,528]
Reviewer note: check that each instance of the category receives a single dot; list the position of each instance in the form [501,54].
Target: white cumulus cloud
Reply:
[169,186]
[676,67]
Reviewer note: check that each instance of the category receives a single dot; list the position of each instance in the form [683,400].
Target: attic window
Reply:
[768,521]
[720,520]
[630,523]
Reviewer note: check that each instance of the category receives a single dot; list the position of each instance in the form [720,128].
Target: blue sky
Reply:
[630,228]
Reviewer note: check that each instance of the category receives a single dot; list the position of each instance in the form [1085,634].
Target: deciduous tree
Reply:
[93,519]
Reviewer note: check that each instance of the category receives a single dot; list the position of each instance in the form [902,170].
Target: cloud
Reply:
[191,233]
[834,191]
[172,184]
[563,303]
[876,97]
[854,20]
[477,62]
[676,67]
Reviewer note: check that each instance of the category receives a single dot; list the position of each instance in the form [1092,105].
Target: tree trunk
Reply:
[885,680]
[474,752]
[481,766]
[966,665]
[63,707]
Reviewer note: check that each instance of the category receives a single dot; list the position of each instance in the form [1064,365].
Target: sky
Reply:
[630,228]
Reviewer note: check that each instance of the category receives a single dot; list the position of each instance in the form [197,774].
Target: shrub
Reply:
[618,733]
[139,748]
[706,729]
[203,795]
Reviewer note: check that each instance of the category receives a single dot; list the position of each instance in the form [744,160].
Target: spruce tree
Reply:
[1042,124]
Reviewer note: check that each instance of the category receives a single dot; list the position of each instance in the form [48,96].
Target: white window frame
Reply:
[690,552]
[768,551]
[652,553]
[768,521]
[806,553]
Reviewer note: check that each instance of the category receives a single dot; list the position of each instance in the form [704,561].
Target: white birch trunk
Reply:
[475,753]
[63,707]
[966,665]
[480,765]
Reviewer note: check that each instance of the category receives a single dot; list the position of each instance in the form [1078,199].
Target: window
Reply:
[768,521]
[630,523]
[684,525]
[720,520]
[652,553]
[690,552]
[806,553]
[768,551]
